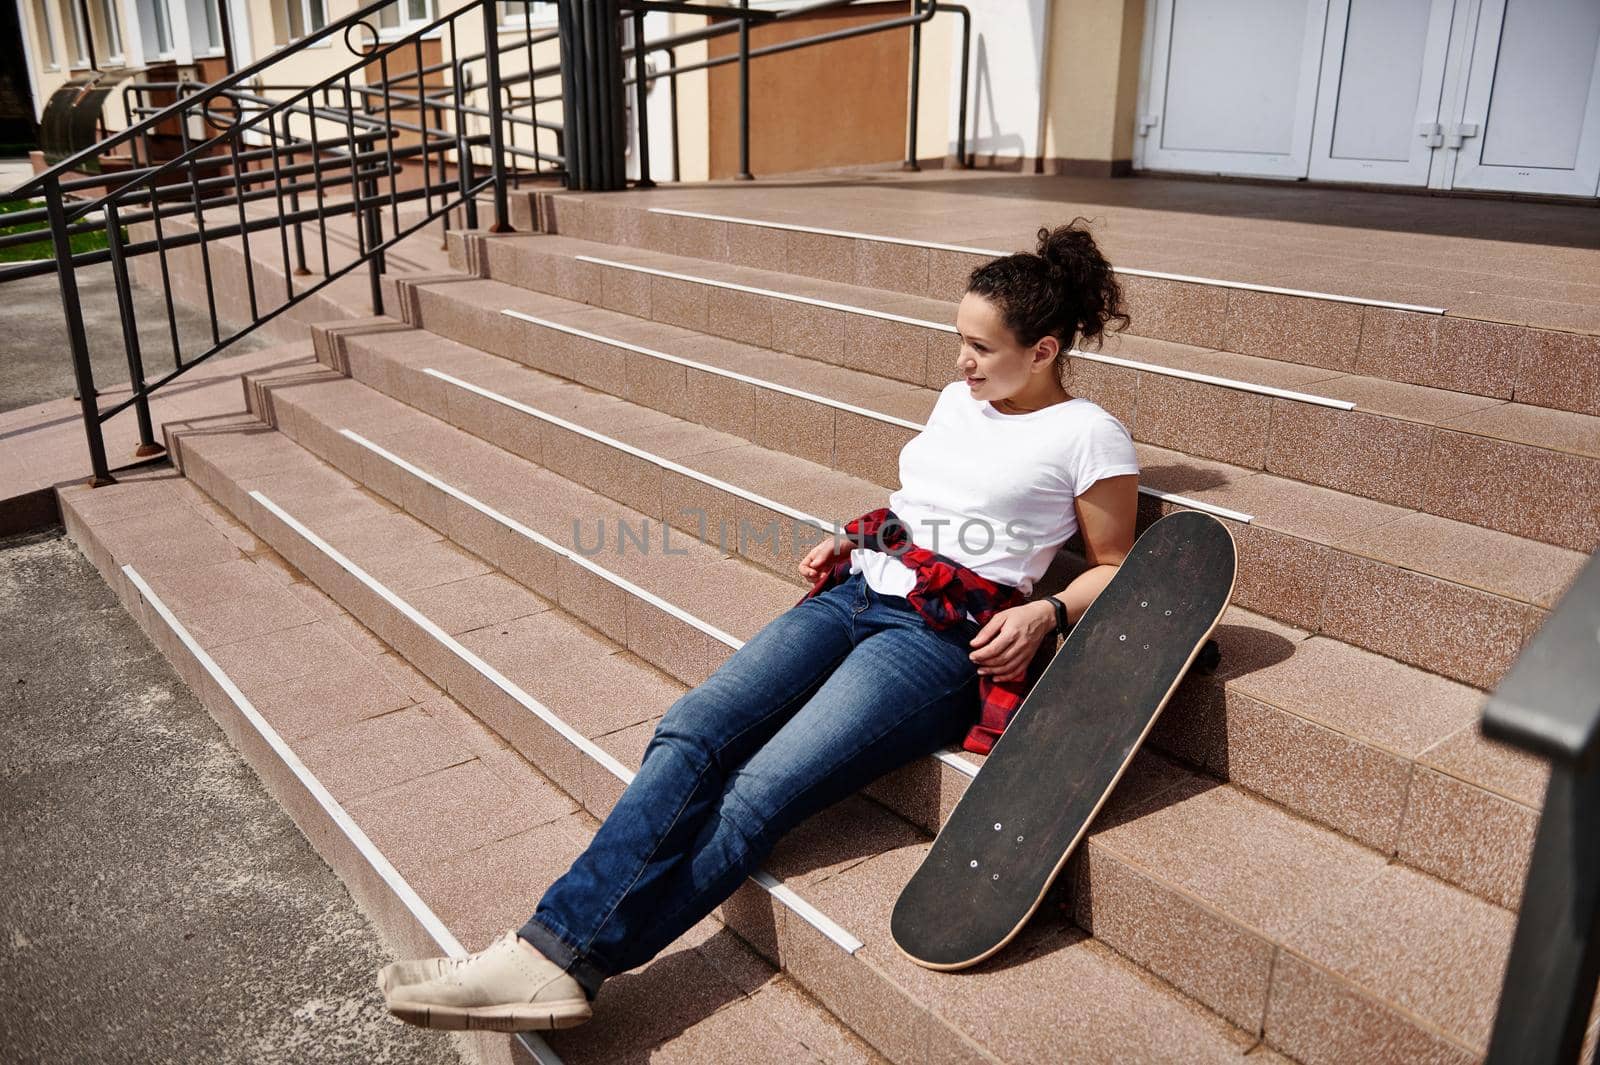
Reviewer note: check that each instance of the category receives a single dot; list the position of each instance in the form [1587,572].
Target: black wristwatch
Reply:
[1062,624]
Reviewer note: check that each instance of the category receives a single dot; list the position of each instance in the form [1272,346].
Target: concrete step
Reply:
[1418,593]
[1246,879]
[1382,752]
[1480,341]
[1505,466]
[599,681]
[443,833]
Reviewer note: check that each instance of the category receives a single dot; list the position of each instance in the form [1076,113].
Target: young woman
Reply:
[887,659]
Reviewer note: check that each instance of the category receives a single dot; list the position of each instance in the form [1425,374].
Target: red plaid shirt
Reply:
[945,592]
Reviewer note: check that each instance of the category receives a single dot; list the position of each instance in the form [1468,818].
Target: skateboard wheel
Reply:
[997,826]
[974,863]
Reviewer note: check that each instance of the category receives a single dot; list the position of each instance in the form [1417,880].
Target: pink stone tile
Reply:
[328,699]
[1468,836]
[1331,777]
[1560,370]
[423,566]
[1498,767]
[1293,328]
[1519,423]
[1175,310]
[810,332]
[1526,491]
[1138,918]
[1468,554]
[1321,1020]
[379,752]
[277,656]
[1224,424]
[1364,696]
[485,891]
[1429,949]
[189,590]
[476,601]
[1445,628]
[887,348]
[251,614]
[450,812]
[1244,858]
[1349,451]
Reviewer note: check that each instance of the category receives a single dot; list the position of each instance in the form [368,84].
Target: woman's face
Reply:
[995,365]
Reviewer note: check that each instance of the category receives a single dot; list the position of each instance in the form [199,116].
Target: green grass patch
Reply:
[45,248]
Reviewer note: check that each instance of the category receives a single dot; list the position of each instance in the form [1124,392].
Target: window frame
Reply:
[45,30]
[404,23]
[505,20]
[78,40]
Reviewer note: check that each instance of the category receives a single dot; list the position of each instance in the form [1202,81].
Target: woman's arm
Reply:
[1106,514]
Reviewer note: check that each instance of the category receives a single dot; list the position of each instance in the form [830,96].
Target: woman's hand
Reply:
[1006,644]
[820,557]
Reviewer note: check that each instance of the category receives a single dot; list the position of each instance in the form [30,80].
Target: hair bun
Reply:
[1065,288]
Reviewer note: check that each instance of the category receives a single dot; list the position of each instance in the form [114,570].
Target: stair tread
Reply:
[476,830]
[1574,432]
[1263,867]
[1381,702]
[1515,567]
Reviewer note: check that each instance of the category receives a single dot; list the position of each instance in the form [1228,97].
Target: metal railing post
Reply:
[374,221]
[641,92]
[744,92]
[130,335]
[915,83]
[491,56]
[66,275]
[300,268]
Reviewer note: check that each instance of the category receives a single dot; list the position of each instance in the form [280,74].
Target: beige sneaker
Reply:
[506,987]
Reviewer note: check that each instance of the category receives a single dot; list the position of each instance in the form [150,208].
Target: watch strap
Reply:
[1062,624]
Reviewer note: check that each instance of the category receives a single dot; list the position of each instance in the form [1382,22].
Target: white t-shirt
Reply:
[995,491]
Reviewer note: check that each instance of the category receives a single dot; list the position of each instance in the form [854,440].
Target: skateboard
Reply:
[1068,744]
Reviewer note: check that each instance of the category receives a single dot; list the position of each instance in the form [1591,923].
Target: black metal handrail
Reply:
[353,151]
[1549,704]
[353,146]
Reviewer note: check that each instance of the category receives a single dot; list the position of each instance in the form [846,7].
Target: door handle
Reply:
[1431,133]
[1460,132]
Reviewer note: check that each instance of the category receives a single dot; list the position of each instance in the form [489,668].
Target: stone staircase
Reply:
[392,553]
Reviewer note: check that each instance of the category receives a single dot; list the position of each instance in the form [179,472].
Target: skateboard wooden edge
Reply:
[1088,821]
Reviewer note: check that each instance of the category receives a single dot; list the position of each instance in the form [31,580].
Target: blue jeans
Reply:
[830,695]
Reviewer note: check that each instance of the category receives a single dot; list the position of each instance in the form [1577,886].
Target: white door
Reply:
[1531,118]
[1232,87]
[1378,105]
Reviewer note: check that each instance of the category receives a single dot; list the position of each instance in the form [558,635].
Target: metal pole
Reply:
[568,27]
[491,56]
[966,65]
[225,27]
[641,94]
[300,268]
[130,335]
[744,92]
[66,275]
[915,80]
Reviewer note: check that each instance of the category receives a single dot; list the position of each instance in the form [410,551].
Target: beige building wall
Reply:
[1092,86]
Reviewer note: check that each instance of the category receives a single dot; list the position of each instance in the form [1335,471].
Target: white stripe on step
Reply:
[1160,275]
[732,489]
[1147,367]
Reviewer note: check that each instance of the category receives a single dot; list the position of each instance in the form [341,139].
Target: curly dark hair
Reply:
[1064,289]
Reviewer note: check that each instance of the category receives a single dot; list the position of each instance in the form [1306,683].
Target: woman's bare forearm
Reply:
[1084,588]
